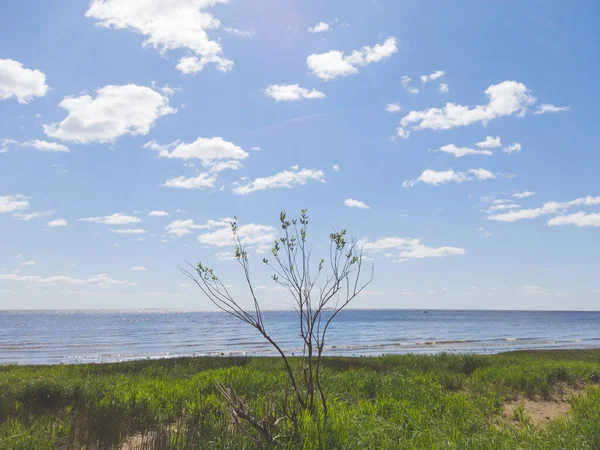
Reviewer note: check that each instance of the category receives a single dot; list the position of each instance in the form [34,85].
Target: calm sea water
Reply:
[51,337]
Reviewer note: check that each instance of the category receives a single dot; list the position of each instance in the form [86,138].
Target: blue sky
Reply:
[201,110]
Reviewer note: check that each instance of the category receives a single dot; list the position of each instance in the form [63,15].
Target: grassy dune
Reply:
[442,401]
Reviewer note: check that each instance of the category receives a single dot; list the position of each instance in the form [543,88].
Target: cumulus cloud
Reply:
[11,203]
[392,107]
[202,181]
[514,148]
[33,215]
[524,194]
[334,64]
[443,88]
[158,213]
[45,146]
[490,142]
[548,108]
[21,83]
[57,223]
[180,228]
[502,206]
[249,34]
[579,219]
[436,178]
[459,152]
[101,280]
[482,174]
[434,76]
[114,219]
[351,203]
[408,248]
[113,112]
[215,153]
[176,24]
[291,92]
[405,81]
[252,234]
[546,209]
[504,99]
[28,263]
[336,168]
[320,28]
[128,230]
[286,179]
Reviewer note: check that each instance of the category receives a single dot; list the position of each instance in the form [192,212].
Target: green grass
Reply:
[410,401]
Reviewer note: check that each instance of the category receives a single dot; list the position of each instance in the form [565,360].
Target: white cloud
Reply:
[10,203]
[4,143]
[514,148]
[334,64]
[57,223]
[351,203]
[21,83]
[434,76]
[437,178]
[31,216]
[537,290]
[285,179]
[421,251]
[137,269]
[503,206]
[115,111]
[158,213]
[180,228]
[320,28]
[202,181]
[547,208]
[392,107]
[409,248]
[291,92]
[28,263]
[45,146]
[167,26]
[504,99]
[215,153]
[114,219]
[336,168]
[256,149]
[443,88]
[579,219]
[405,81]
[101,280]
[242,33]
[523,194]
[261,236]
[225,256]
[482,174]
[548,108]
[128,231]
[463,151]
[490,142]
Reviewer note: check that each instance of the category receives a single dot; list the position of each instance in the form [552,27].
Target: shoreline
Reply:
[557,351]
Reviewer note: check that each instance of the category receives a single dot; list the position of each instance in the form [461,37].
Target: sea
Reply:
[75,337]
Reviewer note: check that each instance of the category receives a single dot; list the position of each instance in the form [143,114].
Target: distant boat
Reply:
[425,311]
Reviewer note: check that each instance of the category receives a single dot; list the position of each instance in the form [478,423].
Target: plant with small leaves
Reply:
[317,300]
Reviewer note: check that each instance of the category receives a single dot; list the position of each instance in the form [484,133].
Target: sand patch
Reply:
[541,412]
